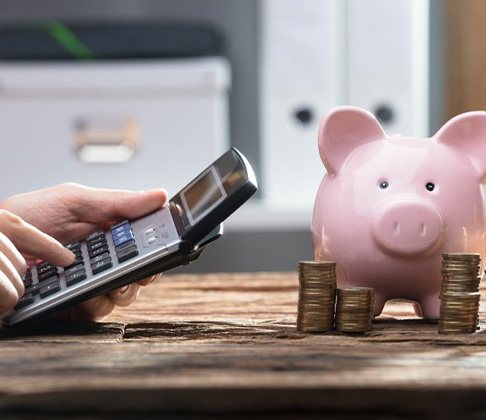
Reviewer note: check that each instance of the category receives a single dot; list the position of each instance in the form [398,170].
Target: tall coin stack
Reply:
[354,309]
[459,306]
[317,294]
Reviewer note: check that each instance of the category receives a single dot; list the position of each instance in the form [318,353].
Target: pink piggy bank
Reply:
[390,206]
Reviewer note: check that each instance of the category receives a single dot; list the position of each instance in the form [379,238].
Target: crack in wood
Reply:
[61,331]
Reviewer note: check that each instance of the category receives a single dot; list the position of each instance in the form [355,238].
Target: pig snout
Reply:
[407,227]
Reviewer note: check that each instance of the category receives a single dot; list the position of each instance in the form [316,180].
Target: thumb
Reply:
[102,205]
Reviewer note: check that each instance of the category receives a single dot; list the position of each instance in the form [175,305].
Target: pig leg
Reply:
[379,303]
[431,306]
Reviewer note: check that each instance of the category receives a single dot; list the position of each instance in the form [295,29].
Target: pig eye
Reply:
[430,186]
[384,185]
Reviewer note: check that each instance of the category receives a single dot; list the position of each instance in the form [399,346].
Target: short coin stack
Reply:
[460,295]
[354,309]
[317,294]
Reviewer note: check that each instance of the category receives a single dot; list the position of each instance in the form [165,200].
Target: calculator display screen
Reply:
[201,195]
[202,199]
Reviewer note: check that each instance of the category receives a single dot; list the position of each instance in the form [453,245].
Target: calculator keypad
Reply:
[99,259]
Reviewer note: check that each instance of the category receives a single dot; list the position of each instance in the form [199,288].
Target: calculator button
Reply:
[101,265]
[95,235]
[101,238]
[125,230]
[73,269]
[25,300]
[100,257]
[96,245]
[27,277]
[76,277]
[48,276]
[42,265]
[49,289]
[32,289]
[51,269]
[77,252]
[120,223]
[27,282]
[45,269]
[120,240]
[125,245]
[120,229]
[127,253]
[74,246]
[78,260]
[98,251]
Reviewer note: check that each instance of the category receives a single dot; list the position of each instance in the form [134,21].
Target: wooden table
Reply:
[226,344]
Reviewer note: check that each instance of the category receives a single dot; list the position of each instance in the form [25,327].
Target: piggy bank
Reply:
[389,206]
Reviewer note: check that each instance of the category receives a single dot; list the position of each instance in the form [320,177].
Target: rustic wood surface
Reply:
[226,344]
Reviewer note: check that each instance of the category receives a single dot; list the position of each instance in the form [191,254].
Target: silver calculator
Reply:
[133,249]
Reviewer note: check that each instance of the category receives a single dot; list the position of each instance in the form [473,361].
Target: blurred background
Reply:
[145,93]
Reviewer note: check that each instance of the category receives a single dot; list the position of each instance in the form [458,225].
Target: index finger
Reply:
[28,239]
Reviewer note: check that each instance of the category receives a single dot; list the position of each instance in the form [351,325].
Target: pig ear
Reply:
[342,130]
[466,133]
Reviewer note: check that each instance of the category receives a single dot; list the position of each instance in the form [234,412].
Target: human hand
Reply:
[69,212]
[16,237]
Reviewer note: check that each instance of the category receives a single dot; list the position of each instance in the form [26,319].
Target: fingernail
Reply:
[124,289]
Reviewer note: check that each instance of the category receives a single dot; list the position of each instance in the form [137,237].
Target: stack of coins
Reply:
[459,296]
[459,312]
[317,295]
[460,272]
[354,309]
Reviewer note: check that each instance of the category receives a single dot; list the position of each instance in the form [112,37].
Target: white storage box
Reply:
[131,125]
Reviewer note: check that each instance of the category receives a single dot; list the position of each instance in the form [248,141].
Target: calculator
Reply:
[131,250]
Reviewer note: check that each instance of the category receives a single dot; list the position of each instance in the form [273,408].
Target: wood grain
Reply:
[226,344]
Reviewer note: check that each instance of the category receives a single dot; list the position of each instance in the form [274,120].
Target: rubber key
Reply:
[45,269]
[120,223]
[95,235]
[101,266]
[75,277]
[78,260]
[120,240]
[49,289]
[96,245]
[74,246]
[125,245]
[100,257]
[73,269]
[98,251]
[48,275]
[25,300]
[127,253]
